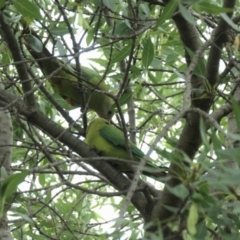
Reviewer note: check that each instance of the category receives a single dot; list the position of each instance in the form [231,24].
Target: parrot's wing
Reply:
[116,137]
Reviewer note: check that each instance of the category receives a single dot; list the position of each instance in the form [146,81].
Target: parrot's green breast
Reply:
[110,142]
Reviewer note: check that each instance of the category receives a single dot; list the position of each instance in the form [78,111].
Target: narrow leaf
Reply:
[180,191]
[192,219]
[230,154]
[236,110]
[120,55]
[59,31]
[123,99]
[186,14]
[217,144]
[62,51]
[203,133]
[2,3]
[229,21]
[110,4]
[211,8]
[8,187]
[34,42]
[62,102]
[167,12]
[82,21]
[148,53]
[27,8]
[200,68]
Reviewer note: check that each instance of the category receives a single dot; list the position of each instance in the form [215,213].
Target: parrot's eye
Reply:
[110,112]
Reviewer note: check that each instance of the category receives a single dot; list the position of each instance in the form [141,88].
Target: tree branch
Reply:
[18,59]
[219,38]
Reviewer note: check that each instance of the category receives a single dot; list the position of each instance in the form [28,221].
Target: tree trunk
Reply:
[6,141]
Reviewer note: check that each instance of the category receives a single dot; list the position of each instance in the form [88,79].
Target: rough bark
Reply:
[6,141]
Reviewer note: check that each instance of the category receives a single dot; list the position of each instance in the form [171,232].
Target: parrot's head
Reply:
[106,111]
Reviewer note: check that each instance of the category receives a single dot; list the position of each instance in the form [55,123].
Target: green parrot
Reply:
[109,141]
[65,81]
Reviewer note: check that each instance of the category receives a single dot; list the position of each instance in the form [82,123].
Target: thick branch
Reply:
[6,140]
[17,57]
[220,37]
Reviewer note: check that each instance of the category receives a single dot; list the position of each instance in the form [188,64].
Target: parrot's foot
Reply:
[94,150]
[82,89]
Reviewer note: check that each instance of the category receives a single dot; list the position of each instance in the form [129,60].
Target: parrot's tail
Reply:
[154,173]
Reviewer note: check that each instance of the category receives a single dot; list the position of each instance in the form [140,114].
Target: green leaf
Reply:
[120,55]
[231,154]
[180,191]
[100,61]
[186,14]
[203,133]
[167,12]
[236,110]
[122,29]
[14,19]
[152,77]
[192,219]
[128,23]
[82,21]
[201,231]
[9,186]
[62,102]
[24,216]
[229,21]
[145,8]
[42,179]
[2,3]
[211,8]
[90,36]
[34,42]
[3,172]
[217,144]
[27,8]
[62,51]
[110,4]
[123,99]
[200,68]
[147,53]
[180,75]
[59,31]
